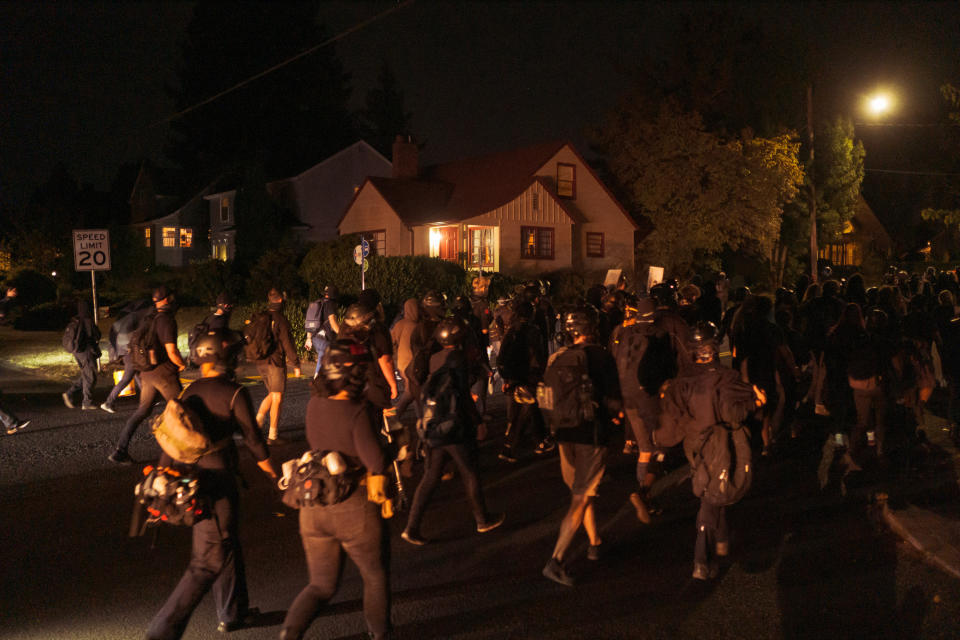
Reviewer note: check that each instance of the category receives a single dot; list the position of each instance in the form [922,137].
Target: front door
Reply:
[444,243]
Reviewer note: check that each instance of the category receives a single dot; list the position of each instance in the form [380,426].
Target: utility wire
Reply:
[906,124]
[243,83]
[913,173]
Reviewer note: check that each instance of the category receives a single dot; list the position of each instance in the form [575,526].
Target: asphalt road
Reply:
[804,563]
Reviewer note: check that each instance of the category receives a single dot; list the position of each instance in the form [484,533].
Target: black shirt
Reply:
[225,408]
[344,426]
[602,370]
[165,328]
[380,344]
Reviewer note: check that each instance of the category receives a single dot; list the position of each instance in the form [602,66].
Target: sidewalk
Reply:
[930,519]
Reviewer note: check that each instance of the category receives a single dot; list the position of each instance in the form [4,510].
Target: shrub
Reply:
[33,288]
[275,268]
[203,280]
[49,316]
[294,310]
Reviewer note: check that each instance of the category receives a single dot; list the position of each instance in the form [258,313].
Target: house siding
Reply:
[370,212]
[600,212]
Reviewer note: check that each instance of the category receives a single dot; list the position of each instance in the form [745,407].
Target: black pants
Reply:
[128,374]
[871,412]
[643,415]
[520,419]
[465,457]
[711,529]
[163,381]
[353,525]
[87,379]
[216,564]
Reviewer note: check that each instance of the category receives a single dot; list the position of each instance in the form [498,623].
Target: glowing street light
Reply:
[879,103]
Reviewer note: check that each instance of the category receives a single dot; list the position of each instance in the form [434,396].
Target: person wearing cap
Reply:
[216,560]
[220,318]
[273,368]
[164,378]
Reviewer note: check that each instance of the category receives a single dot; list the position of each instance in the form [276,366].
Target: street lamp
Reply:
[879,103]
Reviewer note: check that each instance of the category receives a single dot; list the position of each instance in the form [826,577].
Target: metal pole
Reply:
[96,314]
[363,273]
[813,190]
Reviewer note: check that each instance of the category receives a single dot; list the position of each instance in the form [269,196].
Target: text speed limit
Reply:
[91,249]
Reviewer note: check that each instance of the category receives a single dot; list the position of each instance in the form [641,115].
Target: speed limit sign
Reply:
[91,249]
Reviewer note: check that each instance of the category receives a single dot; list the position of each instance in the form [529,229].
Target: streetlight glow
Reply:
[879,104]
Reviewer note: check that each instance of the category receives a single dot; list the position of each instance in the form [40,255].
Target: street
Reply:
[803,564]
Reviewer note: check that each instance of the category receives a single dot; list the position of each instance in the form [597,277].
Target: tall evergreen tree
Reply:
[286,120]
[384,115]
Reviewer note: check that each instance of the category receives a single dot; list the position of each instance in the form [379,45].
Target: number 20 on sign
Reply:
[91,249]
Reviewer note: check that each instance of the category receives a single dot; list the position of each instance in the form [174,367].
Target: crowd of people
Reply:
[642,370]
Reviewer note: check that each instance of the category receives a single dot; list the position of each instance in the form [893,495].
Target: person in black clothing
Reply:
[273,368]
[692,404]
[475,350]
[220,318]
[87,354]
[338,421]
[362,323]
[583,449]
[216,561]
[329,326]
[460,443]
[163,378]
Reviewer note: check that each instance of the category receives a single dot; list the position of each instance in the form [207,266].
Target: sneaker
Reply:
[593,552]
[67,401]
[507,456]
[120,457]
[491,524]
[555,571]
[700,571]
[89,407]
[723,549]
[413,538]
[17,427]
[643,514]
[108,408]
[545,446]
[248,619]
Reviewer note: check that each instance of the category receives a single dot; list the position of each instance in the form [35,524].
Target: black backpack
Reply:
[722,473]
[173,496]
[657,362]
[259,337]
[143,345]
[513,361]
[313,320]
[312,484]
[73,336]
[440,400]
[566,394]
[199,330]
[120,330]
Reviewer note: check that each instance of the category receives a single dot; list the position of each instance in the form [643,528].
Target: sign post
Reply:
[91,252]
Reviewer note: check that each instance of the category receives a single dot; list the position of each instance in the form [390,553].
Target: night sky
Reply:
[83,82]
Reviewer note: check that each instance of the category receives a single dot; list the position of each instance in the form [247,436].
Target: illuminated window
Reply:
[377,240]
[147,239]
[566,180]
[481,247]
[536,243]
[594,245]
[224,209]
[220,250]
[169,236]
[186,238]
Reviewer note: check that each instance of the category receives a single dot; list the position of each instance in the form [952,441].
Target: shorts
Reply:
[582,467]
[274,378]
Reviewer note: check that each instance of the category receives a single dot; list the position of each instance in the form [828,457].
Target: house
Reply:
[315,197]
[863,235]
[534,209]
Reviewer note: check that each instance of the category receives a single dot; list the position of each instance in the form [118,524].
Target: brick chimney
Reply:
[405,162]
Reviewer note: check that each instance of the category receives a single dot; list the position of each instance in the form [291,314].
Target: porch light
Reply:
[435,236]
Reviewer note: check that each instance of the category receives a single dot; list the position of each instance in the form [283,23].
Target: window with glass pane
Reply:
[169,236]
[377,241]
[186,238]
[481,246]
[566,180]
[147,240]
[224,209]
[536,243]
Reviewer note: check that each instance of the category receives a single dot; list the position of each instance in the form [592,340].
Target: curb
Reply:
[894,520]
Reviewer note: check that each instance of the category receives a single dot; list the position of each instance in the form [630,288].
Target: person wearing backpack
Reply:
[521,362]
[153,350]
[224,408]
[583,405]
[82,339]
[337,420]
[272,366]
[704,407]
[321,324]
[448,428]
[119,338]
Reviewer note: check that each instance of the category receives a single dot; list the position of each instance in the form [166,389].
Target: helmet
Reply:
[433,302]
[330,292]
[219,346]
[580,321]
[664,294]
[450,332]
[461,306]
[357,321]
[344,366]
[531,291]
[703,341]
[614,300]
[639,308]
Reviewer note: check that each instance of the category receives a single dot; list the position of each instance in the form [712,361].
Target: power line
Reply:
[243,83]
[913,173]
[906,124]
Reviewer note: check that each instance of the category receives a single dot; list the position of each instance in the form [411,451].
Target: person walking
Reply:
[216,560]
[86,351]
[162,375]
[273,368]
[322,326]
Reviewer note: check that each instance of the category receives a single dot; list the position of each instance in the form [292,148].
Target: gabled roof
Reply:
[416,201]
[866,219]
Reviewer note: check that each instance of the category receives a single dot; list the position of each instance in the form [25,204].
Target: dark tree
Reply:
[285,121]
[384,115]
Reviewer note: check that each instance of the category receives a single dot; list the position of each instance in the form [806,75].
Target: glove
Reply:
[376,488]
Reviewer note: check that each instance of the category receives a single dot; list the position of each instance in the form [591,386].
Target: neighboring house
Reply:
[534,209]
[180,236]
[863,235]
